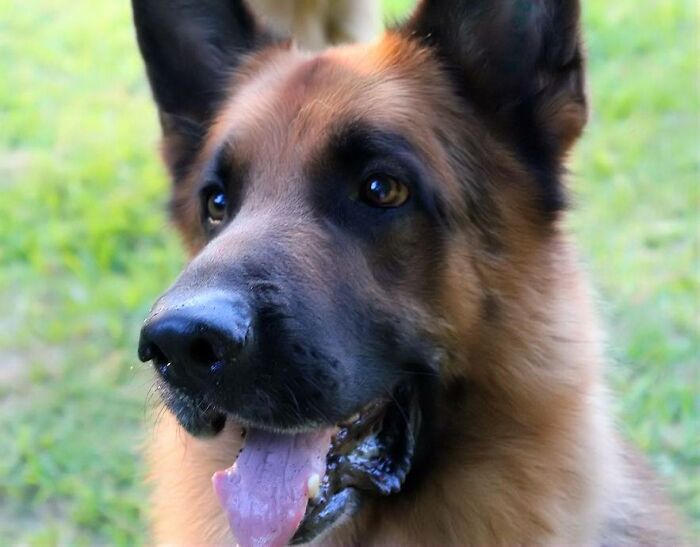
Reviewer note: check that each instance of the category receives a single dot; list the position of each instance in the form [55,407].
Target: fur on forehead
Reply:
[286,104]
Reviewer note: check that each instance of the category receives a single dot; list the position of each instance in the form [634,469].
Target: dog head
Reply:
[358,219]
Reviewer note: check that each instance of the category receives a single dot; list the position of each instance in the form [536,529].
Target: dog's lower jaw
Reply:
[547,483]
[370,454]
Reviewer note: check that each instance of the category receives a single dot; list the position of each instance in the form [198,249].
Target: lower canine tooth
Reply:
[313,485]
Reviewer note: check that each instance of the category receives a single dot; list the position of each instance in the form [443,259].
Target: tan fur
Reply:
[318,23]
[187,509]
[528,454]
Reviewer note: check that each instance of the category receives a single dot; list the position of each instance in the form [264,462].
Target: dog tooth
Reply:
[313,486]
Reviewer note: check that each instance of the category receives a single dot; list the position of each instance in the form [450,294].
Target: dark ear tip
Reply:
[191,46]
[522,64]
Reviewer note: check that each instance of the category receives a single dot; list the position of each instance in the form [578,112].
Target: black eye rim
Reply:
[404,188]
[207,193]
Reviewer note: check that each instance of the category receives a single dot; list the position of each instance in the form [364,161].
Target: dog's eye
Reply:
[216,205]
[383,191]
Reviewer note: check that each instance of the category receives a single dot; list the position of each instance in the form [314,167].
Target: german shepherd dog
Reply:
[383,324]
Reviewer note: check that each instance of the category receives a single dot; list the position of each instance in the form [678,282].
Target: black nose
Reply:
[190,340]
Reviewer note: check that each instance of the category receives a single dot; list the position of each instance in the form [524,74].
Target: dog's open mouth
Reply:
[291,487]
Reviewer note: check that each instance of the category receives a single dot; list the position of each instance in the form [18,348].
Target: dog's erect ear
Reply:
[520,61]
[191,48]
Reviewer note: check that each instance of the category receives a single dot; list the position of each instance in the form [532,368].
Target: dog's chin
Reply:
[196,416]
[370,453]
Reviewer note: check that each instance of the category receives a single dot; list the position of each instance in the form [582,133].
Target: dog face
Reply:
[352,215]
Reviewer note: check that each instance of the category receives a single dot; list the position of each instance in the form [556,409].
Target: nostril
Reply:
[146,352]
[189,342]
[202,352]
[151,352]
[158,356]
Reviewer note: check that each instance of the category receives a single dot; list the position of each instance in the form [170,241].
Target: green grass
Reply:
[84,249]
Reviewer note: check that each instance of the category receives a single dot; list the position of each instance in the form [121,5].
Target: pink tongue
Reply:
[265,492]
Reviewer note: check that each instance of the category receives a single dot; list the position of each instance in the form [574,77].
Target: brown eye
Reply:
[383,191]
[216,206]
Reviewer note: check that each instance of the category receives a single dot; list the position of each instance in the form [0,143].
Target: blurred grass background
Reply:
[85,247]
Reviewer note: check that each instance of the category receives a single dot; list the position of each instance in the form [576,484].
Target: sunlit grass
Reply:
[84,249]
